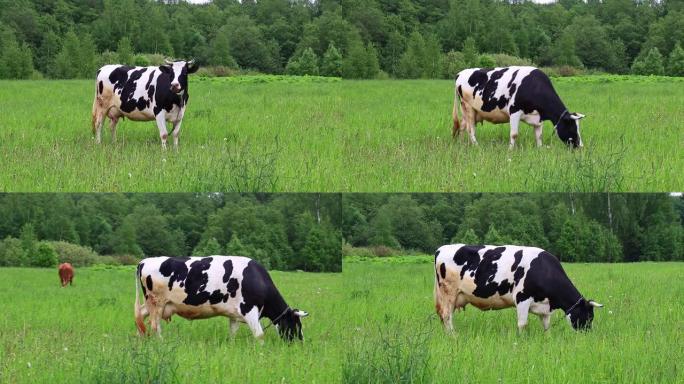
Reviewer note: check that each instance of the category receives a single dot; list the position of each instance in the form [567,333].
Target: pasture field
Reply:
[311,134]
[86,333]
[636,337]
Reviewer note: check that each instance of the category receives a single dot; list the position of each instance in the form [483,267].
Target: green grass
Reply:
[277,134]
[374,323]
[636,337]
[86,333]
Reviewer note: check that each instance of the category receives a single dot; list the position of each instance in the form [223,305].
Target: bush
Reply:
[141,60]
[454,62]
[77,255]
[675,64]
[108,57]
[305,64]
[562,71]
[217,71]
[12,253]
[45,256]
[505,60]
[486,61]
[124,260]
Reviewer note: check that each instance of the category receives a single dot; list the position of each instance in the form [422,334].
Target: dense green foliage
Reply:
[401,340]
[410,38]
[294,231]
[275,133]
[574,227]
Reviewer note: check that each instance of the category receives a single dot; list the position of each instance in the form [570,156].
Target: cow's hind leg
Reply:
[515,123]
[523,308]
[252,320]
[155,309]
[546,321]
[176,133]
[234,325]
[469,121]
[98,118]
[113,120]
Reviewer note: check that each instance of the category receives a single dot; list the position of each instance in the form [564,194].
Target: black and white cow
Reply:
[512,94]
[496,277]
[201,287]
[142,94]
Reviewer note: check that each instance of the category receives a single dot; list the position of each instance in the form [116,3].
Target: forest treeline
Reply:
[282,231]
[591,227]
[349,38]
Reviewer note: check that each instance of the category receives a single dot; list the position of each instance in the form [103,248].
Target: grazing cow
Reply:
[496,277]
[512,94]
[142,94]
[200,287]
[66,274]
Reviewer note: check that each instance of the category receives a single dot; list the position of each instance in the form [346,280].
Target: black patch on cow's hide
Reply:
[468,257]
[149,81]
[100,86]
[485,286]
[233,284]
[119,77]
[165,98]
[517,257]
[216,297]
[546,279]
[196,282]
[442,270]
[175,269]
[148,282]
[128,103]
[138,273]
[519,273]
[511,81]
[489,101]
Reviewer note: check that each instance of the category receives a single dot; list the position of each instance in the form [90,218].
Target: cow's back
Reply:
[196,287]
[486,276]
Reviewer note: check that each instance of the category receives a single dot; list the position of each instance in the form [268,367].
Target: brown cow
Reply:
[66,274]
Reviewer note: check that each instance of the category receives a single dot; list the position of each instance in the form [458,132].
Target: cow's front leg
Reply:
[252,320]
[515,123]
[176,133]
[538,134]
[523,308]
[161,124]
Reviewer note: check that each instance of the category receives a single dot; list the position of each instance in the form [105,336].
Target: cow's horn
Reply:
[167,61]
[191,62]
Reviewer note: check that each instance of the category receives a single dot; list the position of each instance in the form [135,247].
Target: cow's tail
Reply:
[137,306]
[457,125]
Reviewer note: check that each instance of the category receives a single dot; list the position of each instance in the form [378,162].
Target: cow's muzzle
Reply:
[175,88]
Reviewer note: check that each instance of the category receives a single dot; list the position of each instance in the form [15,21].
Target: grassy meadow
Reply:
[86,333]
[636,337]
[284,134]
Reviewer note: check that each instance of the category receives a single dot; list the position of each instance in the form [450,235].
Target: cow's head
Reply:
[582,314]
[568,128]
[179,71]
[290,324]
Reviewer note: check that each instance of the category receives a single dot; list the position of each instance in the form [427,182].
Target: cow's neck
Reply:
[274,307]
[566,298]
[556,111]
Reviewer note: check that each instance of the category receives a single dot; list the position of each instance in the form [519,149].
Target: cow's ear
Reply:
[576,116]
[299,313]
[165,68]
[592,303]
[192,66]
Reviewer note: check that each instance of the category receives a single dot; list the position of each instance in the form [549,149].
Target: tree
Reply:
[331,65]
[382,231]
[28,240]
[220,50]
[124,51]
[494,238]
[469,237]
[305,64]
[564,51]
[675,63]
[356,63]
[470,52]
[12,253]
[433,59]
[454,62]
[124,240]
[16,61]
[66,65]
[212,247]
[411,63]
[651,64]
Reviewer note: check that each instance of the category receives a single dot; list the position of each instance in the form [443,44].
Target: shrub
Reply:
[675,63]
[486,61]
[45,256]
[141,60]
[505,60]
[454,62]
[651,64]
[382,251]
[12,253]
[305,64]
[126,259]
[108,57]
[77,255]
